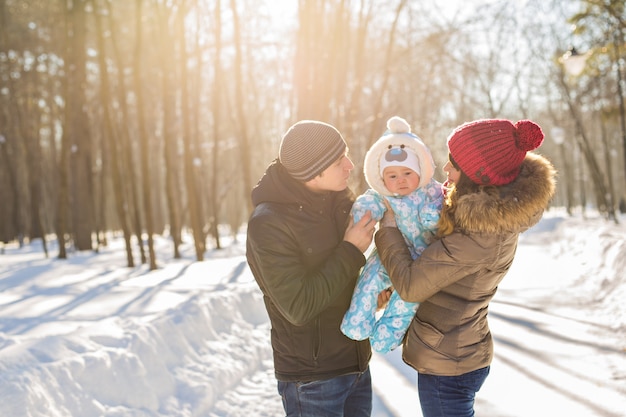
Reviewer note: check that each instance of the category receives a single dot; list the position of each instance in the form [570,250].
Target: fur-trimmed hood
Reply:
[398,135]
[514,207]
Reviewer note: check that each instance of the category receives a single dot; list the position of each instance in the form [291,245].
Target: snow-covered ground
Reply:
[89,337]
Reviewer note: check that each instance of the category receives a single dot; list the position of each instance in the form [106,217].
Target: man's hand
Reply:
[361,233]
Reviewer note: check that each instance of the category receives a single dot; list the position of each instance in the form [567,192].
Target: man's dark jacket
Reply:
[307,273]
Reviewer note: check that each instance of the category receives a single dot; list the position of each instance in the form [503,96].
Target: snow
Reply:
[89,336]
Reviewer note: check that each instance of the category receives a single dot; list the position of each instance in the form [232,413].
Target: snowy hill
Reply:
[90,337]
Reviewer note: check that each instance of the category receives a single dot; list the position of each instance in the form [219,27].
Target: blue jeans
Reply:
[343,396]
[450,396]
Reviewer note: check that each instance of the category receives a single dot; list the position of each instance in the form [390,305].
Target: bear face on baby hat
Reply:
[397,147]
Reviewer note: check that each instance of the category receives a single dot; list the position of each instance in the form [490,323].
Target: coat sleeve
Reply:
[299,292]
[444,262]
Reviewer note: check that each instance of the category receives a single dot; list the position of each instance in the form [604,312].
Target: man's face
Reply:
[333,178]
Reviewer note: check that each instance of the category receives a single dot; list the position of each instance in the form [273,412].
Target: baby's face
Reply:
[400,180]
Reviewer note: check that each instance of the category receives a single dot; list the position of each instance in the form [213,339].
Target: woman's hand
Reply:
[389,218]
[383,298]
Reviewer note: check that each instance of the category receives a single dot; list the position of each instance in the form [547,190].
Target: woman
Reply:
[496,190]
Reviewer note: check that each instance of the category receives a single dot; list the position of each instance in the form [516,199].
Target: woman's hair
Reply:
[462,187]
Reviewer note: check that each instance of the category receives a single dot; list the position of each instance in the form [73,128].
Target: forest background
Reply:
[149,117]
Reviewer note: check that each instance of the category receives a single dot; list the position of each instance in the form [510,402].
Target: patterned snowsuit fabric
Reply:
[417,215]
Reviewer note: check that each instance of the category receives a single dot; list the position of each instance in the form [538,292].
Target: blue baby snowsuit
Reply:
[417,215]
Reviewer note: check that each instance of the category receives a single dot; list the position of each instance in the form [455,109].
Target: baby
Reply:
[398,168]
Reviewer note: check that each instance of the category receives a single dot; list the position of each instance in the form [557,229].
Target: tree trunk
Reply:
[606,151]
[33,159]
[143,137]
[201,171]
[217,82]
[11,147]
[63,206]
[127,165]
[244,142]
[115,158]
[172,180]
[597,177]
[193,202]
[378,124]
[80,139]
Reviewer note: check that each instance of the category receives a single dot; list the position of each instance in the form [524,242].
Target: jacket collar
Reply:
[514,207]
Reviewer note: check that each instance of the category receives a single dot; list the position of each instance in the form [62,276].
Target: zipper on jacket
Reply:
[317,343]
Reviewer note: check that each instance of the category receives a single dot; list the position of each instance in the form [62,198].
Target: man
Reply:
[305,254]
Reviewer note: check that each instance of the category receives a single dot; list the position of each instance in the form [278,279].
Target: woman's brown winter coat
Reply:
[307,273]
[455,278]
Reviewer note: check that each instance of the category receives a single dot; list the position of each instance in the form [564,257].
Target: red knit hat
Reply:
[490,152]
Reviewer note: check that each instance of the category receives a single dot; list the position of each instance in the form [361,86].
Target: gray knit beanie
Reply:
[309,147]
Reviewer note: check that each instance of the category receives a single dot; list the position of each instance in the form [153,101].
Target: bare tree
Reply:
[63,165]
[193,199]
[128,102]
[170,152]
[603,23]
[11,144]
[115,149]
[587,150]
[244,142]
[143,137]
[80,152]
[131,186]
[215,107]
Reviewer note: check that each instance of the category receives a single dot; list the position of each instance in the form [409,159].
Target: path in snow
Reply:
[546,363]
